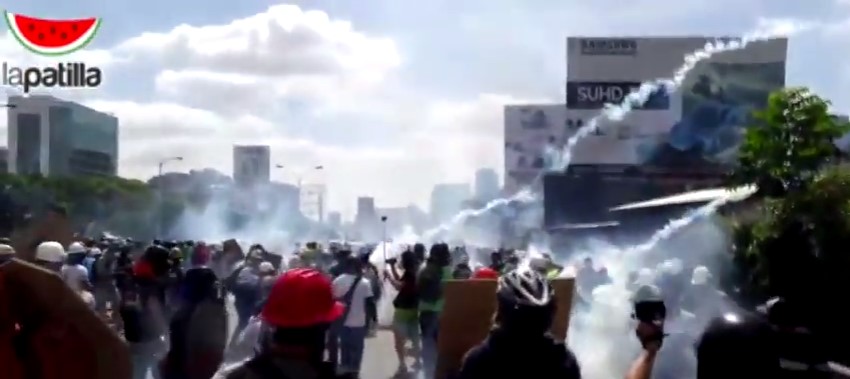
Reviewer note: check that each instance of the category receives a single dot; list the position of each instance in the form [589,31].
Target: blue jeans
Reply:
[429,327]
[352,343]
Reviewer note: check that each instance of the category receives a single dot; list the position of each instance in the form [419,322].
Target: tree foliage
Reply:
[85,199]
[791,140]
[795,243]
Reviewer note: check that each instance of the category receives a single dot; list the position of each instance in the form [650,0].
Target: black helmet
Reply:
[525,288]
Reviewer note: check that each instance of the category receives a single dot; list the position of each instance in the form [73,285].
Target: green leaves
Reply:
[796,236]
[791,140]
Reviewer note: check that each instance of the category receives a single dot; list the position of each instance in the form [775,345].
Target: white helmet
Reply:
[50,251]
[76,248]
[95,252]
[6,250]
[538,262]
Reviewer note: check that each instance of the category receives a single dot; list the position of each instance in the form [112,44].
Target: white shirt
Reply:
[357,315]
[74,276]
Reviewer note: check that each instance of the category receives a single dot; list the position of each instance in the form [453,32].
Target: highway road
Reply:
[379,361]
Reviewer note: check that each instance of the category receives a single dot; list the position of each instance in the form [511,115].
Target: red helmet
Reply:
[300,298]
[486,273]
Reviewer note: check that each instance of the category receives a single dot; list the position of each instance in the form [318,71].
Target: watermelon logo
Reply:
[51,38]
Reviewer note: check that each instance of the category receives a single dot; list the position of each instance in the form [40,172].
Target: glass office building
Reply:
[54,137]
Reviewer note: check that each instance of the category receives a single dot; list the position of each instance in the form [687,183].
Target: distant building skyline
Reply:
[447,200]
[487,184]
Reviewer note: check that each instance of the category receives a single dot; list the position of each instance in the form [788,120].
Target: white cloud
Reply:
[320,91]
[283,41]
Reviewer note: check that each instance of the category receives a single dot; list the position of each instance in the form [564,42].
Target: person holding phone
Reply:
[650,314]
[406,304]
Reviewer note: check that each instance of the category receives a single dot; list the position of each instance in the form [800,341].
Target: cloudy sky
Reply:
[390,96]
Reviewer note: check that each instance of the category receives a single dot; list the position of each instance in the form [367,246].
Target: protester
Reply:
[102,277]
[354,291]
[297,316]
[406,306]
[73,272]
[143,312]
[431,280]
[198,329]
[520,346]
[244,283]
[50,255]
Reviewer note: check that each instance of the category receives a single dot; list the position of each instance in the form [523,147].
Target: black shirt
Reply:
[502,355]
[407,297]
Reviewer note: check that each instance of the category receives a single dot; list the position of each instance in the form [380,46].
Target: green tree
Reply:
[793,241]
[791,140]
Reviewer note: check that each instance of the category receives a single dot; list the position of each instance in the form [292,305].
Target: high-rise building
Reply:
[251,164]
[366,220]
[49,136]
[487,185]
[447,200]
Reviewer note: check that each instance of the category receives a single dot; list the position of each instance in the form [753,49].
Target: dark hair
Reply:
[409,261]
[440,254]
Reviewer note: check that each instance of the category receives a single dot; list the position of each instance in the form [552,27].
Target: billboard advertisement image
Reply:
[700,124]
[529,129]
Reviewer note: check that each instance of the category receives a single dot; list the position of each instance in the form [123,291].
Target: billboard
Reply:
[251,164]
[699,124]
[529,129]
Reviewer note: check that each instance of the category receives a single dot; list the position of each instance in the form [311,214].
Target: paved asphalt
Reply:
[379,361]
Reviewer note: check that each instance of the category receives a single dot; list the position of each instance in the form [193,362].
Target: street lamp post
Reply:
[384,236]
[164,161]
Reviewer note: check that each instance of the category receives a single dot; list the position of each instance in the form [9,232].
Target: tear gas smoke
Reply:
[642,94]
[601,330]
[560,160]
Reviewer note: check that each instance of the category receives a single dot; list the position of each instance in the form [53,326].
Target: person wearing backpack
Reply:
[244,283]
[430,283]
[355,292]
[101,277]
[296,318]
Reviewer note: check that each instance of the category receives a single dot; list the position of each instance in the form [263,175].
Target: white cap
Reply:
[6,250]
[50,251]
[76,248]
[266,267]
[95,251]
[700,276]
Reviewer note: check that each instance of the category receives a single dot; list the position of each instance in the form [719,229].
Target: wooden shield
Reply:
[49,308]
[468,317]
